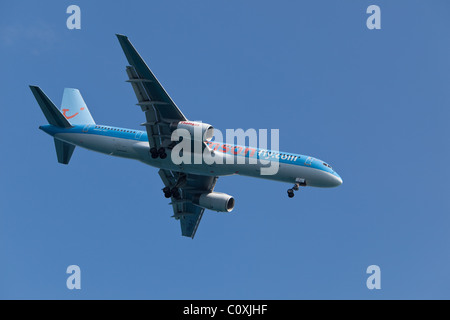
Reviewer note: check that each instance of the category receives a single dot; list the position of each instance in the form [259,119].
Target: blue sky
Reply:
[372,103]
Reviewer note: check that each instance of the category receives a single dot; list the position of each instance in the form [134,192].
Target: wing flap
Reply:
[151,115]
[189,222]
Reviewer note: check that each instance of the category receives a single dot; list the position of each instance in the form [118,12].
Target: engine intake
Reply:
[215,201]
[198,130]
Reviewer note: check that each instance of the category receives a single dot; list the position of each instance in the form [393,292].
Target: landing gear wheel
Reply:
[154,153]
[161,153]
[167,192]
[298,182]
[290,193]
[175,193]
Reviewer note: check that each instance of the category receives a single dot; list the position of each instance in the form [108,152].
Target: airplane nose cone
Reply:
[337,180]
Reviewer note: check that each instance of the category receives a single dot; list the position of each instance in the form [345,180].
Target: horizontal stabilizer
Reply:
[51,112]
[64,151]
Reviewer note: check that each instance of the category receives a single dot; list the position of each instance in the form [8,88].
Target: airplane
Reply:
[190,186]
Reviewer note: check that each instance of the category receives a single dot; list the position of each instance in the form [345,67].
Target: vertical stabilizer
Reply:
[74,108]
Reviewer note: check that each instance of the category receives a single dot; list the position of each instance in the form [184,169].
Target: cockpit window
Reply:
[327,165]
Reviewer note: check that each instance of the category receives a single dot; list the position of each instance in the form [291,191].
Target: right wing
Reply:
[160,110]
[188,185]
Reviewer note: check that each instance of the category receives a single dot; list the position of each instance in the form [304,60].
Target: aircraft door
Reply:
[86,128]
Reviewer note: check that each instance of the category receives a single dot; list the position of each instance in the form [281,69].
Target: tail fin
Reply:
[64,150]
[54,117]
[74,108]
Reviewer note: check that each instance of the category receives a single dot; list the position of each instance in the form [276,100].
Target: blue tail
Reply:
[73,112]
[74,108]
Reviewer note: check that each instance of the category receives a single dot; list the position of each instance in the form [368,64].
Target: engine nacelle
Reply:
[216,201]
[199,131]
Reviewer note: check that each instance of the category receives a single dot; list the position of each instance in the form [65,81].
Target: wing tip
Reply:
[121,36]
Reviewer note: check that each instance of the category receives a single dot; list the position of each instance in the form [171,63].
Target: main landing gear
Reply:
[171,192]
[174,189]
[161,152]
[298,183]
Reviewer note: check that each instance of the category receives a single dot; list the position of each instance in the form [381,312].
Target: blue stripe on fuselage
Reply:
[264,154]
[138,135]
[100,130]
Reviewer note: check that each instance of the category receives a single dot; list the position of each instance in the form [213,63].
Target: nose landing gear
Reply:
[290,193]
[298,183]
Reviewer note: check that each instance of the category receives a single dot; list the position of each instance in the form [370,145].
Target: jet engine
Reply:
[198,130]
[216,201]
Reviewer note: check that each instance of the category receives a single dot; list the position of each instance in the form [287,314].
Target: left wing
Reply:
[160,110]
[187,186]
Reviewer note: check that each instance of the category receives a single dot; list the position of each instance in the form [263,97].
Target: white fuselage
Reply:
[133,144]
